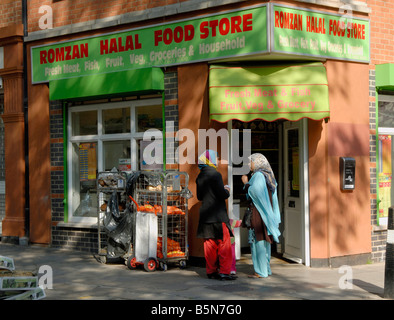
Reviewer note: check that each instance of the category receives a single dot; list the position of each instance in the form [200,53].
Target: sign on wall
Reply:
[233,33]
[261,29]
[287,92]
[313,33]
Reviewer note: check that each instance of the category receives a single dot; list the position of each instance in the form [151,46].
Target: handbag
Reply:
[247,219]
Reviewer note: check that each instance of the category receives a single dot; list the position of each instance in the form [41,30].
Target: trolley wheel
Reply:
[182,264]
[150,264]
[163,266]
[131,263]
[103,259]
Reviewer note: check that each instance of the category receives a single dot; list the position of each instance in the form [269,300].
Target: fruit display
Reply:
[173,248]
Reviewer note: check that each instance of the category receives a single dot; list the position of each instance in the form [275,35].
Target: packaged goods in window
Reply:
[111,180]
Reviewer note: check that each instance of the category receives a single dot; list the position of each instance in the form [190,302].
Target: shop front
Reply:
[385,103]
[266,107]
[282,80]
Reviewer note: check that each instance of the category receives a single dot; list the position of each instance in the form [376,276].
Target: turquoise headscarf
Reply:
[258,191]
[207,158]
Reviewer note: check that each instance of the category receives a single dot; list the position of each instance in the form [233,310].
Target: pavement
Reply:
[74,275]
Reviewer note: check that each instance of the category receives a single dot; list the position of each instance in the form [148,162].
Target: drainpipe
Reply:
[25,240]
[163,107]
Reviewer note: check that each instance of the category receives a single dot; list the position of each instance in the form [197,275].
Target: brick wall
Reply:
[382,31]
[67,12]
[171,114]
[10,12]
[382,51]
[81,238]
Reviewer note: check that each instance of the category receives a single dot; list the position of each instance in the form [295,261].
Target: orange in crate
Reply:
[173,249]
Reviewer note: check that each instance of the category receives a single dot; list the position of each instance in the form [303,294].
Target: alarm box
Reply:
[347,167]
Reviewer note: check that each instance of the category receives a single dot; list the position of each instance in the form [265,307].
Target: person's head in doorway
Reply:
[259,162]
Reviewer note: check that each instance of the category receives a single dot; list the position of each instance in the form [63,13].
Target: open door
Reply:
[294,226]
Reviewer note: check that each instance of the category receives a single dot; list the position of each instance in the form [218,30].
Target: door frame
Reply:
[302,126]
[304,183]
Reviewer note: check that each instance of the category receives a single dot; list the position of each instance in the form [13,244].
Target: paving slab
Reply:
[79,276]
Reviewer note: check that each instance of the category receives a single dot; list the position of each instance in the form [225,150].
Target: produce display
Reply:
[161,210]
[173,248]
[158,209]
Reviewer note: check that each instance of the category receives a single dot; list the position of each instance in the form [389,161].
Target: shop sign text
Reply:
[207,38]
[268,92]
[233,33]
[314,33]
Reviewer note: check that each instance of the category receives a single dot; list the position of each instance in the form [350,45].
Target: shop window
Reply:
[385,156]
[84,169]
[116,121]
[149,118]
[386,111]
[84,123]
[104,137]
[117,155]
[385,174]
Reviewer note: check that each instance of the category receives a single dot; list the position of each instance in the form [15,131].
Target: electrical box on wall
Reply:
[347,167]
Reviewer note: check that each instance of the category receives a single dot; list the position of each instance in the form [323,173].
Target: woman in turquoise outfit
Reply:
[262,194]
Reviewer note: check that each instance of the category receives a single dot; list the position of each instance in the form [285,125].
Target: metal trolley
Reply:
[160,229]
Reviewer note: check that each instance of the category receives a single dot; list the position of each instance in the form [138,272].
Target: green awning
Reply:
[287,92]
[384,75]
[138,81]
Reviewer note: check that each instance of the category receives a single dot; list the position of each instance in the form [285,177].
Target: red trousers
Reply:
[218,255]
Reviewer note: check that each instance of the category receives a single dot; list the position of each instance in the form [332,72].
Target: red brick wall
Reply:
[382,31]
[382,51]
[67,12]
[10,13]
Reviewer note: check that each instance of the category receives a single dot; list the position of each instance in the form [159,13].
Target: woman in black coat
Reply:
[214,224]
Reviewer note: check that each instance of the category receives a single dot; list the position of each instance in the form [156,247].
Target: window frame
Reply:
[385,130]
[133,136]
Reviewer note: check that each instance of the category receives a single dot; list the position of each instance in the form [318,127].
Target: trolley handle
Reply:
[135,202]
[139,208]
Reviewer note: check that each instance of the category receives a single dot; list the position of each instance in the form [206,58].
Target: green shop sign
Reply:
[312,33]
[233,33]
[287,92]
[254,30]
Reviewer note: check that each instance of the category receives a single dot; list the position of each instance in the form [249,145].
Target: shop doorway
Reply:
[283,144]
[292,200]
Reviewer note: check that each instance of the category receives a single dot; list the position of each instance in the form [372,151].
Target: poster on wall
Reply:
[385,174]
[87,161]
[124,164]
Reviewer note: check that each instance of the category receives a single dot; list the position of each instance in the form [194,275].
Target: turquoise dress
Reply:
[270,214]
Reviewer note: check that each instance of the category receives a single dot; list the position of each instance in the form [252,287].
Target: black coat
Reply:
[213,211]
